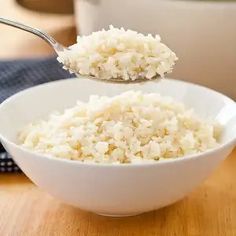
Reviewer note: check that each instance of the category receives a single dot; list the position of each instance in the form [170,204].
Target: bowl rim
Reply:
[218,148]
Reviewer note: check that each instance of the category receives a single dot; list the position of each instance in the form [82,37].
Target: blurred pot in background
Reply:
[203,34]
[49,6]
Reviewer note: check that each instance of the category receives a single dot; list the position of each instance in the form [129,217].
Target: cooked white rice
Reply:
[117,53]
[131,127]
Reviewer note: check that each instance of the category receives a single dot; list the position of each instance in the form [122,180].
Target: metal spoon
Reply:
[59,48]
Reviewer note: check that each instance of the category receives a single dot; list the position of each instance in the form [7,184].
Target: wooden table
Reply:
[209,211]
[28,211]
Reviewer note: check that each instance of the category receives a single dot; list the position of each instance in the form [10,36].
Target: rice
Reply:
[129,128]
[117,53]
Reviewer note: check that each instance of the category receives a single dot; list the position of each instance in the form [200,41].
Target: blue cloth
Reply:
[16,75]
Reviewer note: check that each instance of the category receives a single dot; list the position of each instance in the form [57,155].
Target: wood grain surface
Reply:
[209,211]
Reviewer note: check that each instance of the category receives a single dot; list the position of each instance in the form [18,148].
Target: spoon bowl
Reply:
[57,47]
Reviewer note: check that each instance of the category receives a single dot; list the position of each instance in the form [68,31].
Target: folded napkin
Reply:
[16,75]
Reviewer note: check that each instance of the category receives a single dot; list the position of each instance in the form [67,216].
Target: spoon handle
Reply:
[50,40]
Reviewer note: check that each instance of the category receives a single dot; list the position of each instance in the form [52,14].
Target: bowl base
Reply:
[118,215]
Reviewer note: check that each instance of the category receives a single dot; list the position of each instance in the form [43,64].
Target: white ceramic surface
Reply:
[201,32]
[115,190]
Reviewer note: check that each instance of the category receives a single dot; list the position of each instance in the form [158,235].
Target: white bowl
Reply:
[112,189]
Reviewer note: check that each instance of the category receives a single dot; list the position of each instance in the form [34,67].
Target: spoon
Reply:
[60,48]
